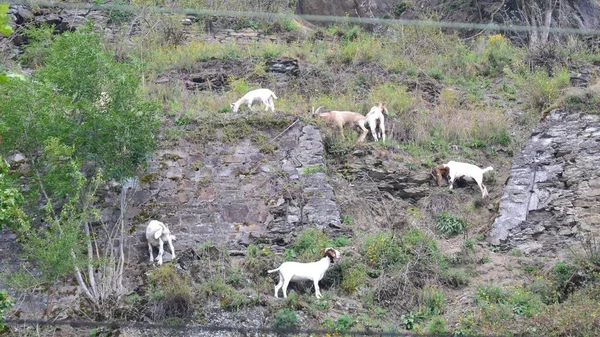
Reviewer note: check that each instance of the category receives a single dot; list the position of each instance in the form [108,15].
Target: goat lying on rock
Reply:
[454,170]
[156,233]
[297,271]
[374,119]
[264,95]
[341,118]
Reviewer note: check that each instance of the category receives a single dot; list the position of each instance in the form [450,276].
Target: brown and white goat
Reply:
[341,118]
[454,170]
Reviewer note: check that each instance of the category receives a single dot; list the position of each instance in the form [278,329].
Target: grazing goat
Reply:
[375,118]
[454,170]
[341,118]
[156,233]
[264,95]
[297,271]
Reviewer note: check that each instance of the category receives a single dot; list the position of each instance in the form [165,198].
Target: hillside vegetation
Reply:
[448,98]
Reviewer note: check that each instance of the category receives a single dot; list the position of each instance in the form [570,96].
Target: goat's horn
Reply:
[318,109]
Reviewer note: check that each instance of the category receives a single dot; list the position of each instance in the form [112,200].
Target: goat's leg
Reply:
[271,104]
[364,130]
[382,126]
[317,290]
[160,251]
[279,285]
[172,249]
[373,127]
[150,251]
[286,282]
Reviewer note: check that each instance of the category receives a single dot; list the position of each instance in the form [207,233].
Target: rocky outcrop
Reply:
[236,193]
[552,197]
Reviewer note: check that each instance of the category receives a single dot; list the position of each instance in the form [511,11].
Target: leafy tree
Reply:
[80,116]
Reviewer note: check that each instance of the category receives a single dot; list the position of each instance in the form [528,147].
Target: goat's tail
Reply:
[487,169]
[272,271]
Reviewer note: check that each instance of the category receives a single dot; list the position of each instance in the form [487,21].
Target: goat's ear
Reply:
[173,237]
[158,234]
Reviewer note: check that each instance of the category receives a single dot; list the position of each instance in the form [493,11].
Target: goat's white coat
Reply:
[156,233]
[458,169]
[374,118]
[265,96]
[298,271]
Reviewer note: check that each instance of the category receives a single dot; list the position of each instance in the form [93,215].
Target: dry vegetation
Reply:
[446,97]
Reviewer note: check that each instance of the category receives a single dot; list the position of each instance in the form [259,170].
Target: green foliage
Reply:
[6,30]
[65,94]
[313,169]
[498,54]
[5,303]
[354,275]
[538,87]
[437,326]
[395,96]
[11,200]
[449,224]
[382,250]
[285,319]
[412,319]
[434,301]
[308,246]
[57,247]
[344,323]
[516,300]
[455,277]
[340,241]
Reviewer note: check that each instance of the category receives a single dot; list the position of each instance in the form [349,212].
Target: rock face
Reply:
[235,194]
[552,197]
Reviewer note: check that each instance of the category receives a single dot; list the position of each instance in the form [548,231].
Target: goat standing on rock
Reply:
[297,271]
[156,233]
[264,95]
[454,170]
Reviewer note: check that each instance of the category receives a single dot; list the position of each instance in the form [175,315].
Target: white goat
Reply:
[156,233]
[264,95]
[297,271]
[375,118]
[454,170]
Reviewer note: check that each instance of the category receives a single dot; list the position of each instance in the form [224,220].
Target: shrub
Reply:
[344,322]
[434,301]
[354,275]
[455,277]
[285,319]
[5,303]
[437,326]
[412,319]
[395,96]
[170,293]
[498,53]
[538,87]
[309,245]
[449,224]
[382,250]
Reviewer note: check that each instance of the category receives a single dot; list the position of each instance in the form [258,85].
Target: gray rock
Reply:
[549,197]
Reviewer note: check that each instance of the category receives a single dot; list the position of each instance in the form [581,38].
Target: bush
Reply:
[308,245]
[449,224]
[382,250]
[434,301]
[170,293]
[285,319]
[539,88]
[354,275]
[5,303]
[437,326]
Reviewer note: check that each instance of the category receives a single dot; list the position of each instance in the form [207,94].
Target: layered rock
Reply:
[552,198]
